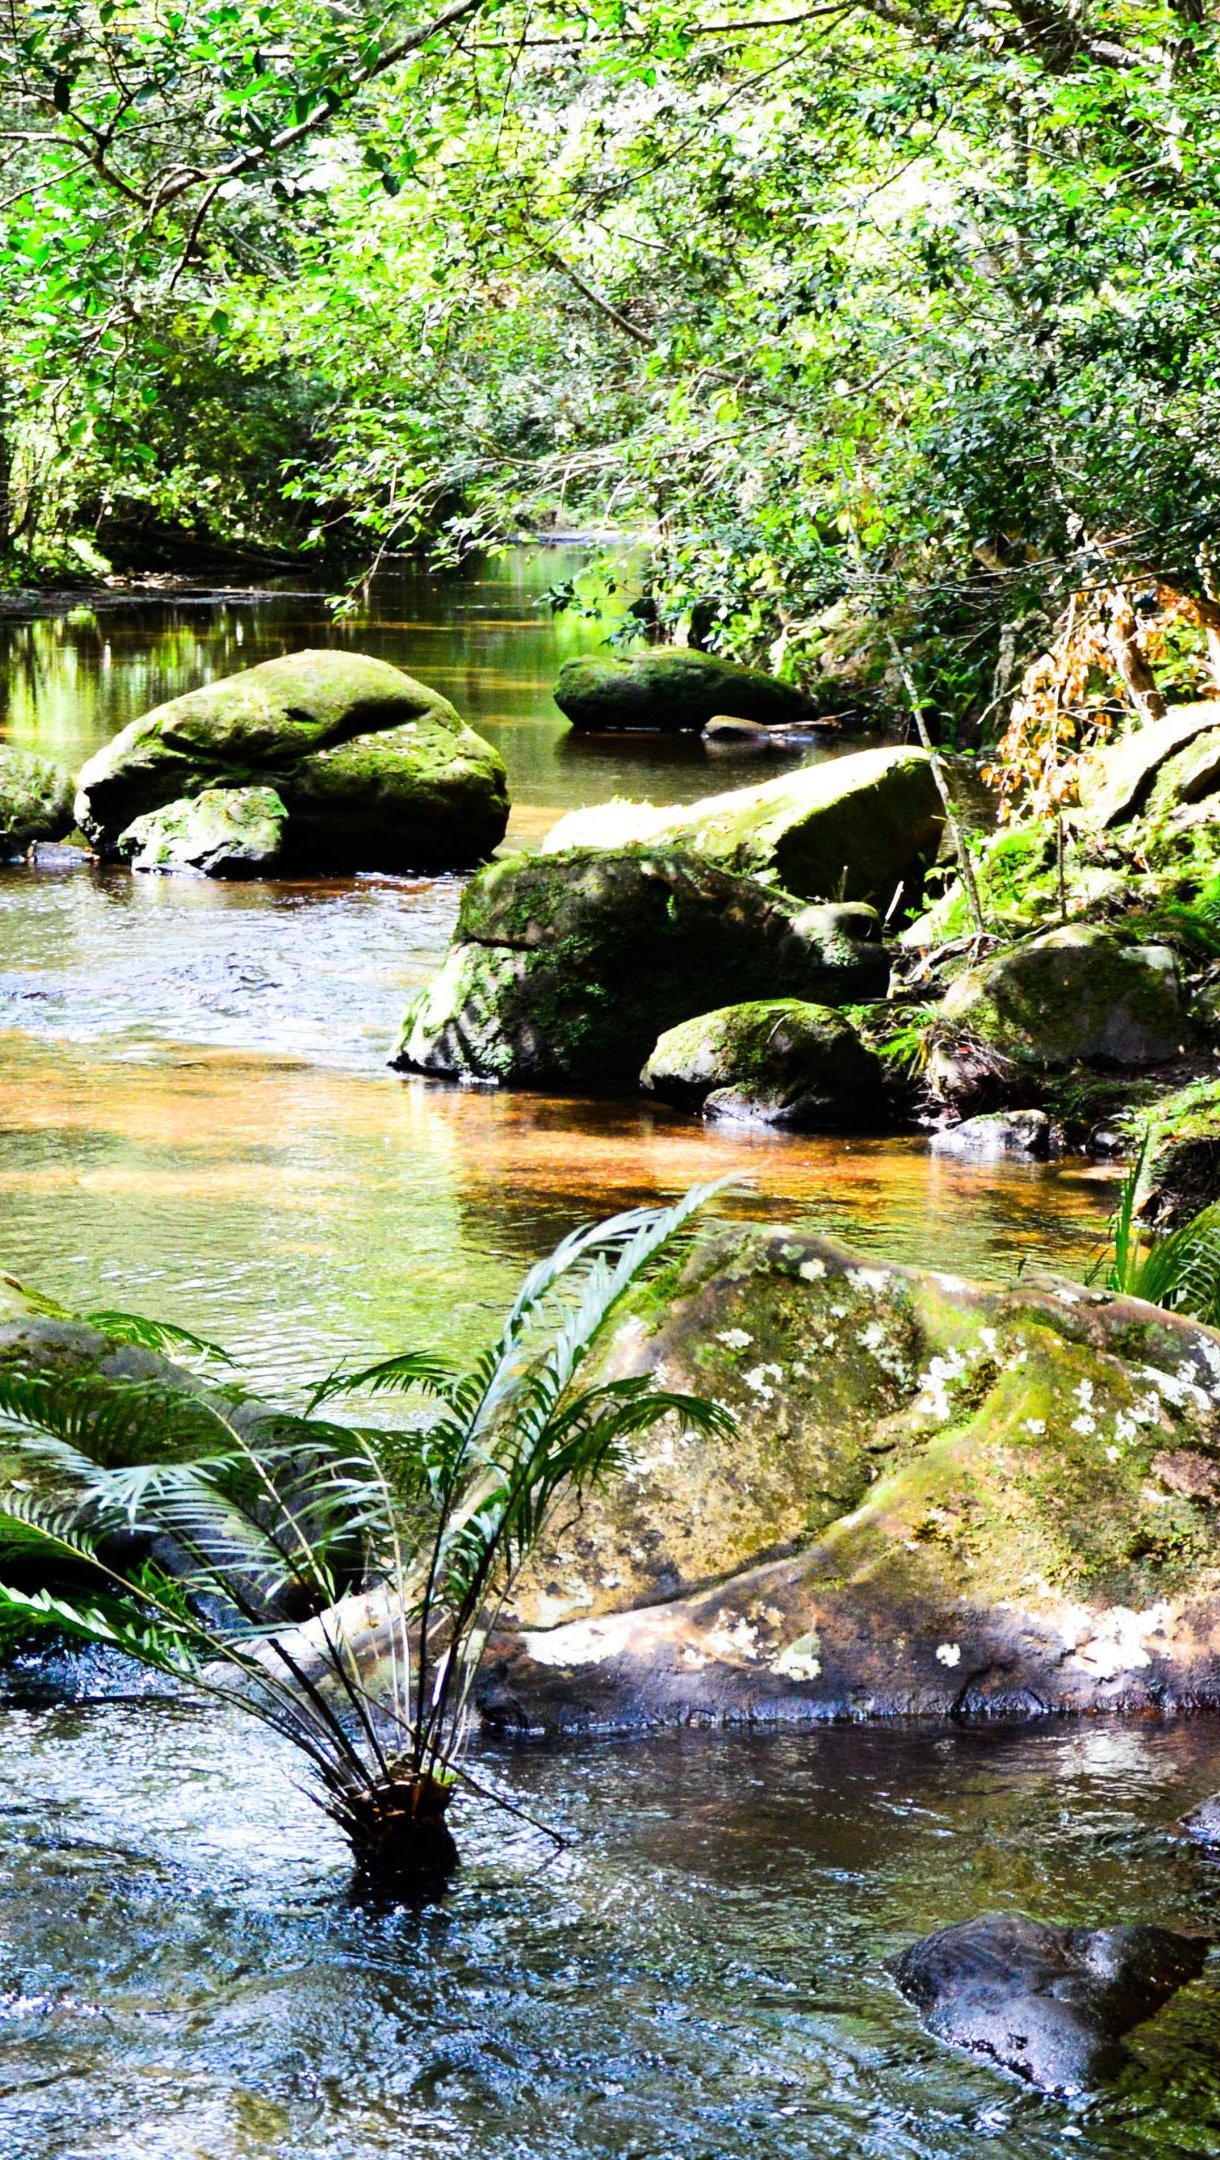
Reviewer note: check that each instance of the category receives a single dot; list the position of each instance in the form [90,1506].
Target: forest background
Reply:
[872,319]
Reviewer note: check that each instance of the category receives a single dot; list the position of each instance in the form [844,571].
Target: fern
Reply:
[1179,1271]
[266,1513]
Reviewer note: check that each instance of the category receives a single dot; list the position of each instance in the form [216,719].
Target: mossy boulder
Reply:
[35,801]
[674,692]
[375,770]
[777,1061]
[225,833]
[565,969]
[1118,781]
[1183,1166]
[1073,996]
[850,828]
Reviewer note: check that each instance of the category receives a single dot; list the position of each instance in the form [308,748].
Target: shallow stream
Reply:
[197,1121]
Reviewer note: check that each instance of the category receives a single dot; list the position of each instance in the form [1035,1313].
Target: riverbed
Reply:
[198,1121]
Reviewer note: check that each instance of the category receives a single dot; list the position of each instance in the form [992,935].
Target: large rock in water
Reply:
[1074,996]
[943,1498]
[35,801]
[376,771]
[775,1062]
[565,969]
[851,828]
[1051,2003]
[671,692]
[224,833]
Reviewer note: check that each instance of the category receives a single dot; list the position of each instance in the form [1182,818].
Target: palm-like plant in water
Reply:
[257,1533]
[1179,1269]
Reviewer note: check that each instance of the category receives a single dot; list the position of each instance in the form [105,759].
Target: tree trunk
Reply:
[1129,658]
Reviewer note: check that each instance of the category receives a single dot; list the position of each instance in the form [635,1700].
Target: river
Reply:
[198,1121]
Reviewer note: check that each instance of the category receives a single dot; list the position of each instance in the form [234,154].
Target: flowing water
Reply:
[197,1120]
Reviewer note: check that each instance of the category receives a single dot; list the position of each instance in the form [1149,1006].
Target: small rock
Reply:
[776,1062]
[35,801]
[671,692]
[1203,1822]
[1023,1134]
[1051,2003]
[223,833]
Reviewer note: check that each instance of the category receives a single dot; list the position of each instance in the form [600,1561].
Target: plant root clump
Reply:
[397,1830]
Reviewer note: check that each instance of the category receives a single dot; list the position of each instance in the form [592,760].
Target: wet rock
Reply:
[1073,996]
[777,1062]
[997,1135]
[852,828]
[565,969]
[671,692]
[1051,2003]
[224,833]
[376,771]
[724,733]
[1118,781]
[1203,1822]
[35,801]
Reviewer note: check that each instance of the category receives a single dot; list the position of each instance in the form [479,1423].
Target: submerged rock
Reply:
[375,770]
[1073,996]
[224,833]
[852,828]
[997,1135]
[777,1062]
[672,692]
[1051,2003]
[565,969]
[35,801]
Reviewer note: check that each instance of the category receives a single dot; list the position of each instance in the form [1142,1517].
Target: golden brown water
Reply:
[197,1115]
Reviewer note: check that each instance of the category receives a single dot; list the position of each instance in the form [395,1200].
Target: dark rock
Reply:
[35,801]
[376,771]
[672,691]
[1051,2003]
[1021,1134]
[565,969]
[223,833]
[777,1062]
[1073,996]
[850,828]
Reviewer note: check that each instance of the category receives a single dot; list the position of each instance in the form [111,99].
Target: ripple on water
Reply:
[700,1975]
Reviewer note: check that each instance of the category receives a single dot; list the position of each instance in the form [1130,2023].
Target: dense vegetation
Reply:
[863,310]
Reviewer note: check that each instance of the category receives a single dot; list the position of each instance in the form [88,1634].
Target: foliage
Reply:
[861,311]
[246,1518]
[1180,1270]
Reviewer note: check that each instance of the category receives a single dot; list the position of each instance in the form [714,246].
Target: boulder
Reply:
[225,833]
[1051,2003]
[671,692]
[1117,782]
[565,969]
[776,1062]
[939,1501]
[852,828]
[375,770]
[996,1136]
[1182,1173]
[1072,996]
[35,801]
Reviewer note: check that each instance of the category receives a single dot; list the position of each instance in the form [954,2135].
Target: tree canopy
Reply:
[859,311]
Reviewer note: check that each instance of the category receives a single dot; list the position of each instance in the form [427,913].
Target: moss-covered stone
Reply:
[35,800]
[225,833]
[774,1062]
[375,770]
[1183,1164]
[851,828]
[671,692]
[565,969]
[1118,780]
[1074,996]
[940,1496]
